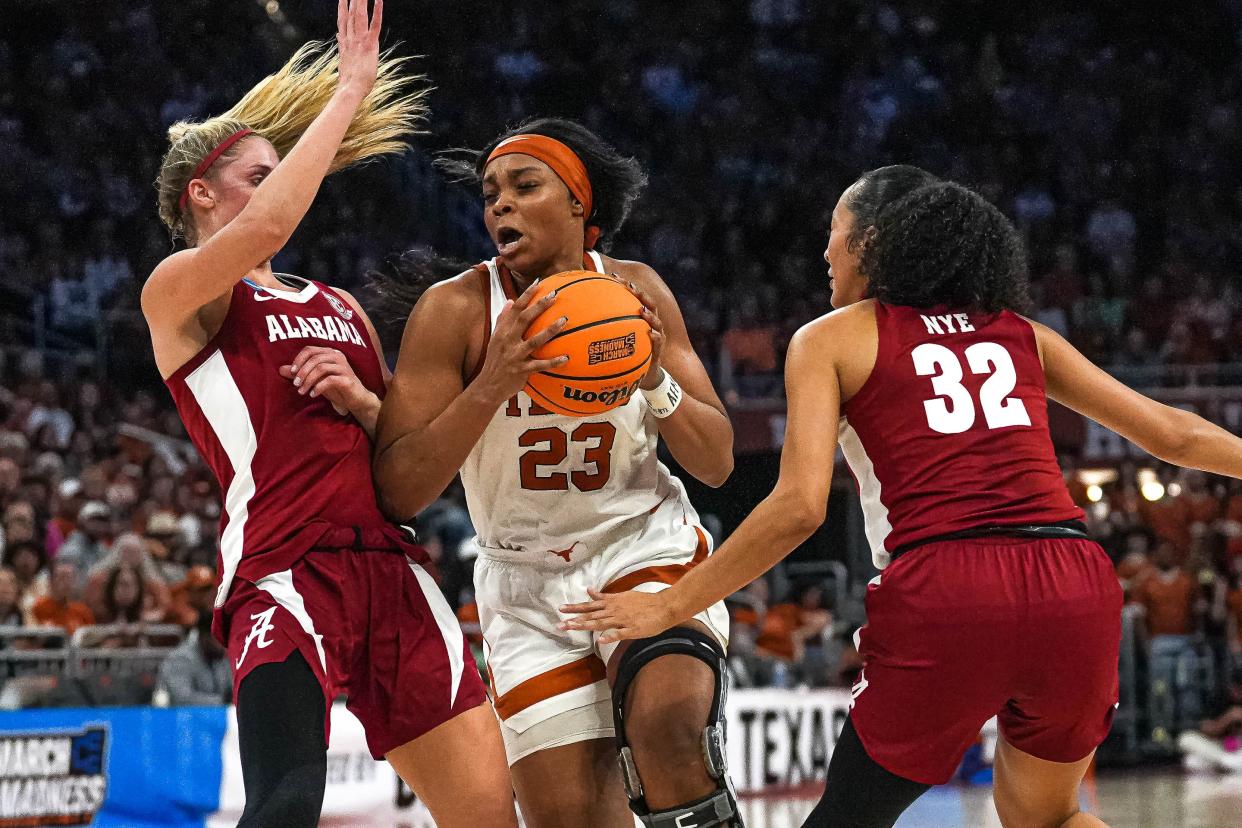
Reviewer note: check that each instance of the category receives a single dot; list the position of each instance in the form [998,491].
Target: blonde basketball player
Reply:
[561,504]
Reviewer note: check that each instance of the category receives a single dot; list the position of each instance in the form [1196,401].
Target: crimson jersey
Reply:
[288,464]
[950,431]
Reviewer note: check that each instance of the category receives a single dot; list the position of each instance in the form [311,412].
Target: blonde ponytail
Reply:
[282,106]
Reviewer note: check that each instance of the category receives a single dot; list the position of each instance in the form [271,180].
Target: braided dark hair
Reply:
[616,182]
[944,244]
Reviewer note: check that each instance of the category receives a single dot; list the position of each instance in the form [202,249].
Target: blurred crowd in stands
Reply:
[1113,138]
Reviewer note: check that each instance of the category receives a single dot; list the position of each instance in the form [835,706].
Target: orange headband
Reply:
[563,161]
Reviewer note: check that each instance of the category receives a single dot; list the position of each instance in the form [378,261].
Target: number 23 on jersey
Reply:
[549,448]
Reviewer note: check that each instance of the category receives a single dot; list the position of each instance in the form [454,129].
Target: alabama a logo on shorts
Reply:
[339,306]
[258,633]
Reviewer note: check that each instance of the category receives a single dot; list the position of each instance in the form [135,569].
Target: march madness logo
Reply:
[339,306]
[53,777]
[606,350]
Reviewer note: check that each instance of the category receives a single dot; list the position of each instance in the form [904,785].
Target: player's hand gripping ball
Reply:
[606,339]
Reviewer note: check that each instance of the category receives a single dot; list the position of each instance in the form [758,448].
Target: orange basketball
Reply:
[605,338]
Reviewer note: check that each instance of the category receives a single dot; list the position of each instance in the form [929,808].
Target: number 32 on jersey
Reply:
[953,410]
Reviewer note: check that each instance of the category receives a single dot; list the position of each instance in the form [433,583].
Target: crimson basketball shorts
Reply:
[1027,630]
[371,623]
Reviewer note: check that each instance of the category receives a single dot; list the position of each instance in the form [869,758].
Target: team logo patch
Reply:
[339,306]
[606,350]
[53,777]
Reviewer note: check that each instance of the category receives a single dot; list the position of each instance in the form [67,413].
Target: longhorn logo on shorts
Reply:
[258,633]
[339,306]
[564,553]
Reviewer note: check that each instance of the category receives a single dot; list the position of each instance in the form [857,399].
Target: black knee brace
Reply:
[718,808]
[280,729]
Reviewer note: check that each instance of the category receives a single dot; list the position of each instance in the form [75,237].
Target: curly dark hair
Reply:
[616,182]
[944,244]
[876,189]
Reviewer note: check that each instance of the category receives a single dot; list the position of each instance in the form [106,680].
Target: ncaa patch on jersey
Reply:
[606,350]
[339,306]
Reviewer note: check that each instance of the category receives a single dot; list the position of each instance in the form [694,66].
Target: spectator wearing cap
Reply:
[163,538]
[196,673]
[128,551]
[192,598]
[86,546]
[60,607]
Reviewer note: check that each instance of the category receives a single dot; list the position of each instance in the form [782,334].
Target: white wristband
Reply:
[665,397]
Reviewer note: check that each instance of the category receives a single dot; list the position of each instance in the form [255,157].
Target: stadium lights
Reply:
[1094,493]
[1175,489]
[1096,477]
[1150,486]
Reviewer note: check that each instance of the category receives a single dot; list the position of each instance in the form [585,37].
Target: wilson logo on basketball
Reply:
[606,350]
[610,397]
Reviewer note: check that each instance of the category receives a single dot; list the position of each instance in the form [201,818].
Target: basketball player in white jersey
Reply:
[561,504]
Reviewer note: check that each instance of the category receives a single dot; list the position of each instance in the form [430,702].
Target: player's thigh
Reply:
[1032,792]
[572,785]
[458,769]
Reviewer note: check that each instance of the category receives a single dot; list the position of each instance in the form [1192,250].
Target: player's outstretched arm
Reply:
[186,281]
[429,422]
[785,518]
[1173,435]
[698,433]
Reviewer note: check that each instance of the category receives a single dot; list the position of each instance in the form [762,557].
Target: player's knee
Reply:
[293,802]
[667,732]
[1018,811]
[668,708]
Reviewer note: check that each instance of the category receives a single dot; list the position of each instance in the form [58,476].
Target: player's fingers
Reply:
[342,9]
[324,366]
[597,595]
[286,371]
[532,311]
[317,373]
[537,365]
[585,606]
[377,18]
[543,337]
[308,364]
[327,384]
[653,319]
[306,353]
[612,637]
[522,301]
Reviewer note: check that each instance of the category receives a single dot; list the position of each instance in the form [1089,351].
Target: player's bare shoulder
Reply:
[642,275]
[846,338]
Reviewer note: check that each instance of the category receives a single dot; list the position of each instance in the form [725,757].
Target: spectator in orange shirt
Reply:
[192,597]
[1168,598]
[1170,518]
[1135,564]
[748,357]
[1203,506]
[59,608]
[1231,524]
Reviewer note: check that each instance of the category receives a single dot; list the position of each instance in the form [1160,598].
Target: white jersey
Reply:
[550,490]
